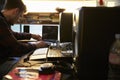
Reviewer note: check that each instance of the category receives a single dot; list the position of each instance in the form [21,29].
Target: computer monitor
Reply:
[50,33]
[95,29]
[66,20]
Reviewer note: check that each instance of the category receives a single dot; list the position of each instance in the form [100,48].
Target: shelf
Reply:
[39,18]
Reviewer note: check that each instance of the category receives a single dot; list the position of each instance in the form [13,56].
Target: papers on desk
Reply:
[39,53]
[43,53]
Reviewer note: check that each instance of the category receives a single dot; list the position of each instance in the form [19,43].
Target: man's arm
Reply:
[9,44]
[21,36]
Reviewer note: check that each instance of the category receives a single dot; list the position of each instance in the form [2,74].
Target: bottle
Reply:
[114,58]
[101,3]
[114,55]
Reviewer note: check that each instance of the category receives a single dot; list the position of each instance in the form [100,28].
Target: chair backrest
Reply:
[97,27]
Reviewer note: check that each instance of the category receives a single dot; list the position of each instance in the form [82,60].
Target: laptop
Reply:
[50,33]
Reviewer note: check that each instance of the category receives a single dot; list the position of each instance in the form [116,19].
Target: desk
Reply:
[32,73]
[30,70]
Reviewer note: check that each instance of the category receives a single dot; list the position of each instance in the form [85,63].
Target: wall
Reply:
[51,5]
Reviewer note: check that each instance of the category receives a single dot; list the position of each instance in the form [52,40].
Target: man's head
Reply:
[13,10]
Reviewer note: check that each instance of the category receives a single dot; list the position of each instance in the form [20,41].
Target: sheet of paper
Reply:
[39,53]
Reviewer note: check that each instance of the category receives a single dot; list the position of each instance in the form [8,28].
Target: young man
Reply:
[9,45]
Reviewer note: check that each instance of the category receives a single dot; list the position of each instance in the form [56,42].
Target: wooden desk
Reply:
[31,70]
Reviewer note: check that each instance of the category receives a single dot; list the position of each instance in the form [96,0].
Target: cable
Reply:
[28,56]
[47,53]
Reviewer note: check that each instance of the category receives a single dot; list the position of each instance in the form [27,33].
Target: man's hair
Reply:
[11,4]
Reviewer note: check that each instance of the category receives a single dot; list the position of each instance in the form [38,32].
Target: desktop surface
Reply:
[32,69]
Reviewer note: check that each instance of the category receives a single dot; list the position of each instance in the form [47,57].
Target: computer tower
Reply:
[95,31]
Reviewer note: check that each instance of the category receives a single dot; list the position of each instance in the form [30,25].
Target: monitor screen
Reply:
[16,27]
[30,28]
[50,33]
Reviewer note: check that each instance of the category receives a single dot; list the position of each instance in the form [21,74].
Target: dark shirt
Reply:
[9,46]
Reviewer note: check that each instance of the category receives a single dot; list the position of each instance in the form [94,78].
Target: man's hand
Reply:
[40,44]
[36,37]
